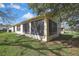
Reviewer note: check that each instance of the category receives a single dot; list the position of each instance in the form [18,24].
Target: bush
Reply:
[3,31]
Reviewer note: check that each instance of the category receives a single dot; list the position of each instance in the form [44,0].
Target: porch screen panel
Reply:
[37,27]
[26,28]
[52,27]
[14,28]
[18,27]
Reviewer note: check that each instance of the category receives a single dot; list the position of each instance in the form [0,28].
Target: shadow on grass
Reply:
[29,46]
[67,40]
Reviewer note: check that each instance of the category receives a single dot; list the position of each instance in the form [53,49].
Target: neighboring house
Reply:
[10,29]
[77,26]
[3,27]
[44,27]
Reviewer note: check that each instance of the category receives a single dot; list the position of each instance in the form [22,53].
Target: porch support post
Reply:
[15,28]
[46,29]
[21,27]
[12,29]
[58,27]
[30,28]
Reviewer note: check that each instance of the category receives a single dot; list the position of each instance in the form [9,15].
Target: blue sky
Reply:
[20,10]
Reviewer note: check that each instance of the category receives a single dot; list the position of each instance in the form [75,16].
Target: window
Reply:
[26,28]
[37,27]
[52,27]
[18,27]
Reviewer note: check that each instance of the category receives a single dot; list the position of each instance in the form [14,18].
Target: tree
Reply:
[64,11]
[72,21]
[59,8]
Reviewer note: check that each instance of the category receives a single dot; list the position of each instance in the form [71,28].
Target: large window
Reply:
[37,27]
[26,28]
[52,27]
[18,27]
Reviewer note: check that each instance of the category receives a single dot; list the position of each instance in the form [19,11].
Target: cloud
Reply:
[17,6]
[28,15]
[2,5]
[23,9]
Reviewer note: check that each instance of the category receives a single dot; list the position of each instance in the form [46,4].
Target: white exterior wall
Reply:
[21,30]
[11,28]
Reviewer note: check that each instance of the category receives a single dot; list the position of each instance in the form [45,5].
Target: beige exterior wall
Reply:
[34,36]
[42,38]
[46,36]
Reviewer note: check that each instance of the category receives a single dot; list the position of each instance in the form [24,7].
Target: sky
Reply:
[20,11]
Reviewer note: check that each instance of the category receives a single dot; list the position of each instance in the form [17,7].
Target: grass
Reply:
[12,44]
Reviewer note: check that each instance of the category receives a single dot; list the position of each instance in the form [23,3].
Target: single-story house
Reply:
[3,27]
[43,27]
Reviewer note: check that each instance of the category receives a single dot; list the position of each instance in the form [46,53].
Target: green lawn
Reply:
[16,45]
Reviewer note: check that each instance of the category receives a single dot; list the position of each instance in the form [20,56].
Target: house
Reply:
[3,27]
[43,27]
